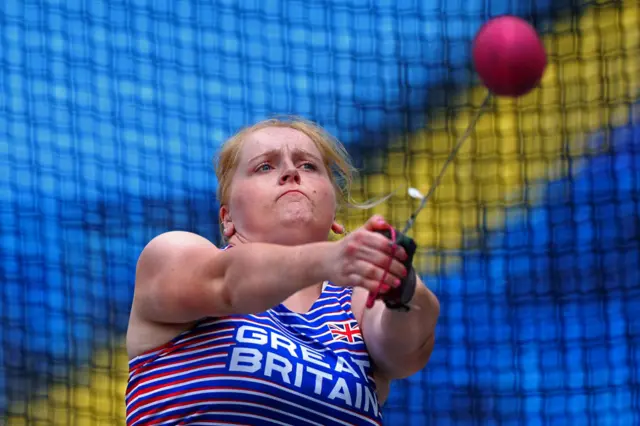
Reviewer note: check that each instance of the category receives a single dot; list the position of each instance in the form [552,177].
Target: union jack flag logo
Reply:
[345,331]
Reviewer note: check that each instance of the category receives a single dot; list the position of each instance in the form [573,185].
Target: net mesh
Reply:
[111,113]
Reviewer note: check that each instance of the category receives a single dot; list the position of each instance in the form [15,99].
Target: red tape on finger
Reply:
[373,295]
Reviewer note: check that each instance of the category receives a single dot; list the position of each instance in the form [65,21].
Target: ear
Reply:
[225,219]
[337,228]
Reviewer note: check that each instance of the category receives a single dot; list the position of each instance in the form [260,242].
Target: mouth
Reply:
[292,191]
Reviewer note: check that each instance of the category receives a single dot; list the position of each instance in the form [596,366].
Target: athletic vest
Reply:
[273,368]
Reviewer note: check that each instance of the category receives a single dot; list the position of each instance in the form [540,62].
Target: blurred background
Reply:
[111,112]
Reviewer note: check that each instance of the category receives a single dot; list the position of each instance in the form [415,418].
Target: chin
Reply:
[303,228]
[299,225]
[296,215]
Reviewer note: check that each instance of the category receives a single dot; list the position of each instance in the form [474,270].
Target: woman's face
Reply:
[281,192]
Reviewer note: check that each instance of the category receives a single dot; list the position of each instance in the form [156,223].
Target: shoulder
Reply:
[174,240]
[169,269]
[169,262]
[168,246]
[165,268]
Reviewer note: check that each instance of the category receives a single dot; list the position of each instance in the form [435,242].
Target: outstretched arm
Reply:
[182,277]
[399,343]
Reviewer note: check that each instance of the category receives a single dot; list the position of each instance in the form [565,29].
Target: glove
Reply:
[399,297]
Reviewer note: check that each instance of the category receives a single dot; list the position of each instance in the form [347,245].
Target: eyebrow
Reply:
[297,152]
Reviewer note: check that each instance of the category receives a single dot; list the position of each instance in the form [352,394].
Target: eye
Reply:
[309,166]
[264,167]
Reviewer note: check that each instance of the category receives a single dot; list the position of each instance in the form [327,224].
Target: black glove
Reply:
[399,297]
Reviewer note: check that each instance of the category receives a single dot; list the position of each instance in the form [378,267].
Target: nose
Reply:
[290,175]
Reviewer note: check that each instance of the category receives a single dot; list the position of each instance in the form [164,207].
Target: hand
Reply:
[365,257]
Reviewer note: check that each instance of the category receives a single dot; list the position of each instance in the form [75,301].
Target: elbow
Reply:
[193,295]
[411,363]
[422,355]
[226,297]
[208,293]
[226,291]
[240,289]
[232,299]
[425,321]
[198,301]
[418,360]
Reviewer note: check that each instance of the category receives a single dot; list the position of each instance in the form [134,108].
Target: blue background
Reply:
[112,111]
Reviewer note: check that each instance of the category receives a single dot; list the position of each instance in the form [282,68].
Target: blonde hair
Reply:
[334,154]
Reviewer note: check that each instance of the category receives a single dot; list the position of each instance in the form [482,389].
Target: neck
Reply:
[303,300]
[284,238]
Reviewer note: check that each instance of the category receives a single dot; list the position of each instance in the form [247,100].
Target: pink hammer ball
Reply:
[509,56]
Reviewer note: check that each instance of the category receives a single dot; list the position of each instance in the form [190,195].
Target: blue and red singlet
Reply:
[273,368]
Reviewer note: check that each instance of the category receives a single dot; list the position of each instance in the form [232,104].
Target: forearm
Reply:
[257,277]
[407,331]
[400,343]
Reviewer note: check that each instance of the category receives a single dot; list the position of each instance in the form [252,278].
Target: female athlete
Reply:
[274,328]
